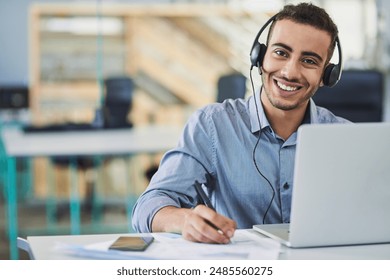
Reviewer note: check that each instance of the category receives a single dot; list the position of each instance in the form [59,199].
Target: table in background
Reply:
[110,142]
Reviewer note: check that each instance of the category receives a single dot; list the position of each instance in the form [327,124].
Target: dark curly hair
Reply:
[307,13]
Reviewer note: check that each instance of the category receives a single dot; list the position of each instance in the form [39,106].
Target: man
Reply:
[243,150]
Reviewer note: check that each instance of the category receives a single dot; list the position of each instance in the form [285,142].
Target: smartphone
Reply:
[131,243]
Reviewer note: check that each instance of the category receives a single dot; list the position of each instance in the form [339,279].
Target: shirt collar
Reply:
[255,111]
[313,112]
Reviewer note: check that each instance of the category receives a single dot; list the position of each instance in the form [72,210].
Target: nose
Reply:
[291,70]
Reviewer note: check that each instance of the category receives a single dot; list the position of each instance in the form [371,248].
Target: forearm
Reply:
[169,219]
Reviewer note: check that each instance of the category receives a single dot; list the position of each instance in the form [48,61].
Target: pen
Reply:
[206,201]
[204,198]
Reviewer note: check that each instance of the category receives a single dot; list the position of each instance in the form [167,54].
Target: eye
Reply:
[309,61]
[281,53]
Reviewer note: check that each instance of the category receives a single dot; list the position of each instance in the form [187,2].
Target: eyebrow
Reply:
[303,53]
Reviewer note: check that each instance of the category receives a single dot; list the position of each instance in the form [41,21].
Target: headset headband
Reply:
[332,72]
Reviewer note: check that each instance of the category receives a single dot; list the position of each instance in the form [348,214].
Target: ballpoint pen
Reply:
[206,201]
[204,198]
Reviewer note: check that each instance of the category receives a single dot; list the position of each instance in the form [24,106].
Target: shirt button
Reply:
[286,186]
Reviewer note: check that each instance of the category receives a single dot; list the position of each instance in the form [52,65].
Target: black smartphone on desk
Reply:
[131,243]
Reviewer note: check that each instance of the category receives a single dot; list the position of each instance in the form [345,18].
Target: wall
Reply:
[14,41]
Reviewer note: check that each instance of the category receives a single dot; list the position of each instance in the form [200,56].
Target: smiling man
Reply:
[243,150]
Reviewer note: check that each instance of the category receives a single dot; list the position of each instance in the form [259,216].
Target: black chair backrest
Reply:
[118,101]
[358,96]
[231,86]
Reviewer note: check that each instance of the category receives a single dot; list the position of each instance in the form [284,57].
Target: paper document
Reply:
[244,245]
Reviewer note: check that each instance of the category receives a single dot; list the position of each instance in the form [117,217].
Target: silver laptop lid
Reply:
[341,189]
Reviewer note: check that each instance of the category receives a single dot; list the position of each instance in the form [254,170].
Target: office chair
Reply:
[116,107]
[118,102]
[358,96]
[231,86]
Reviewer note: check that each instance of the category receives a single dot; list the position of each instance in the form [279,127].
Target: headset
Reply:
[331,76]
[332,72]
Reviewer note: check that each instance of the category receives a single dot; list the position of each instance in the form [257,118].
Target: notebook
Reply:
[341,192]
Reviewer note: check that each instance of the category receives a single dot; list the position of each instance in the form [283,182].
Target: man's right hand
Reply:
[200,224]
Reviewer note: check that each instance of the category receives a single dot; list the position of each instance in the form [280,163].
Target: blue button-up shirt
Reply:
[217,147]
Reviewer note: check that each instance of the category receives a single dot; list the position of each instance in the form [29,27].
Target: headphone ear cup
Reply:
[257,54]
[331,75]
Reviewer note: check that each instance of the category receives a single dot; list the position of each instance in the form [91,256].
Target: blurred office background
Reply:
[56,58]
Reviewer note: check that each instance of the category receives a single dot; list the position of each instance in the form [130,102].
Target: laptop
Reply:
[341,193]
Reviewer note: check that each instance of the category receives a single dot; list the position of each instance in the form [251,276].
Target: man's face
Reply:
[293,64]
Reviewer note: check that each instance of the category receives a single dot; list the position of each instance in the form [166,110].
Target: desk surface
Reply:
[148,139]
[43,248]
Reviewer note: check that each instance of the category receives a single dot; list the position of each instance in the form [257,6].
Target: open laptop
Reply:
[341,193]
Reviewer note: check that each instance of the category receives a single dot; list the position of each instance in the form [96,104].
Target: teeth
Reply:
[287,88]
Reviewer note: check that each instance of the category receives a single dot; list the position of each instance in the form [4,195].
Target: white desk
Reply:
[43,248]
[149,139]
